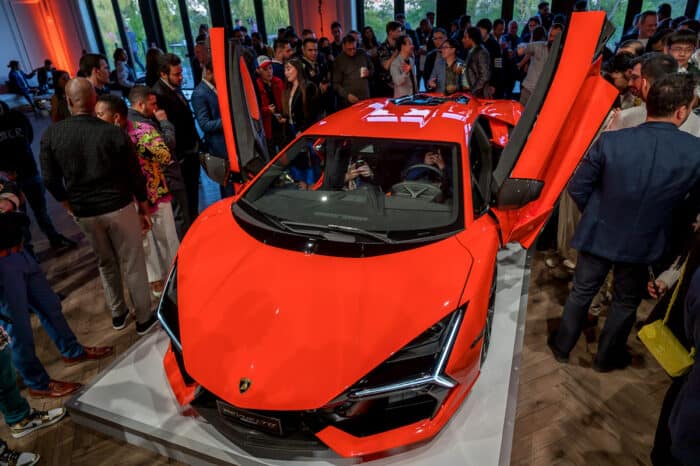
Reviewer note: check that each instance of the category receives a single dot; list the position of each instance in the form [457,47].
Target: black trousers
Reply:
[190,173]
[661,450]
[629,282]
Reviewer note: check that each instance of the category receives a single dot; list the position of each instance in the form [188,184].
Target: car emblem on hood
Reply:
[244,385]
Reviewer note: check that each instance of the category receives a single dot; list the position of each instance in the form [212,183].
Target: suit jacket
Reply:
[206,109]
[180,115]
[478,71]
[627,187]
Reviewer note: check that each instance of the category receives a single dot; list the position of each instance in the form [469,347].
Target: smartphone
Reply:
[359,163]
[652,277]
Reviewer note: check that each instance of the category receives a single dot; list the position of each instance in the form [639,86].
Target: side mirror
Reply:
[516,192]
[216,168]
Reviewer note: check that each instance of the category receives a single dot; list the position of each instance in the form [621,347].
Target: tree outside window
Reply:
[135,33]
[107,24]
[377,14]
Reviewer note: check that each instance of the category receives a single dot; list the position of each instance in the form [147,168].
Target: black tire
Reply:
[486,339]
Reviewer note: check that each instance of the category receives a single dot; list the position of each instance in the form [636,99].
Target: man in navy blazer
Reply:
[206,110]
[626,188]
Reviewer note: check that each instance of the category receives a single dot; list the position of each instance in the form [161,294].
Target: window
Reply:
[616,12]
[198,12]
[107,24]
[522,11]
[135,34]
[243,14]
[479,9]
[276,16]
[416,10]
[175,42]
[377,14]
[677,6]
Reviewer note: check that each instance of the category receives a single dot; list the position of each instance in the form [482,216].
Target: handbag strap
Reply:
[675,291]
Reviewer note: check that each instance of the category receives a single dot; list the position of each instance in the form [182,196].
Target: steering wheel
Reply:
[419,189]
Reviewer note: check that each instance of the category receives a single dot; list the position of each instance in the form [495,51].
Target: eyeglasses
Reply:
[686,50]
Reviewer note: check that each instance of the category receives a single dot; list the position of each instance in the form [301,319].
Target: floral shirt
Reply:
[4,339]
[154,155]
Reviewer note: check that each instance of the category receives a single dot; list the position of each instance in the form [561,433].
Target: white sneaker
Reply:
[9,457]
[36,420]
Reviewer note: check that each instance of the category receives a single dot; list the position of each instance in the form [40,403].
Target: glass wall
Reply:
[243,14]
[377,14]
[133,27]
[616,11]
[677,6]
[416,9]
[522,11]
[198,12]
[175,42]
[107,24]
[276,16]
[479,9]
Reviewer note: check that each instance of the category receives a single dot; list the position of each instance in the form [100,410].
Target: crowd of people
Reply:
[122,157]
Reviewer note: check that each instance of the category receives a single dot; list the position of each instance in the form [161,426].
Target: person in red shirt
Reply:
[270,89]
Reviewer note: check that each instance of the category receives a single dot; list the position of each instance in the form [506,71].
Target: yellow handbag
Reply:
[675,359]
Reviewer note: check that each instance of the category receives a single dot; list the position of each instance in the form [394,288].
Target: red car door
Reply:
[561,120]
[240,113]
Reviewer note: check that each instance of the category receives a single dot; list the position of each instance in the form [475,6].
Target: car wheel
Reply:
[489,320]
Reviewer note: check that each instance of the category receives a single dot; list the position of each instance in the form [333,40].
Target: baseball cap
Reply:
[264,61]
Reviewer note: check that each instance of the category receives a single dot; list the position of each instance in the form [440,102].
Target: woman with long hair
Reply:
[59,104]
[300,99]
[152,74]
[369,41]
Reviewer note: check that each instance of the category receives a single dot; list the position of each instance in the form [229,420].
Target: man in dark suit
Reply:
[206,109]
[626,187]
[171,99]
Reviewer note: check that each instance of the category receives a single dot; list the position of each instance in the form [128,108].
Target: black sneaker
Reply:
[619,363]
[145,327]
[558,354]
[118,323]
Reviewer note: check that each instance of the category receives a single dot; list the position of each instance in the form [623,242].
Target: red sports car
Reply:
[343,298]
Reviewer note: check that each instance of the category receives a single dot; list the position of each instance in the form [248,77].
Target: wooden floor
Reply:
[566,415]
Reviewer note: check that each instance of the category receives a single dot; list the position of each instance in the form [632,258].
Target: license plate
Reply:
[248,418]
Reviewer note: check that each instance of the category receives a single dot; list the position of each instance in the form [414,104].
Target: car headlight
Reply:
[418,364]
[409,386]
[167,309]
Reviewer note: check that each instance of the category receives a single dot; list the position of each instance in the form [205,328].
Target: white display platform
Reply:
[132,400]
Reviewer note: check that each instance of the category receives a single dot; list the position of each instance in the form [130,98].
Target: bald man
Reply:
[91,168]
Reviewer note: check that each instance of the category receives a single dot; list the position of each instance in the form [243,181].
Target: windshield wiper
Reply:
[341,229]
[270,219]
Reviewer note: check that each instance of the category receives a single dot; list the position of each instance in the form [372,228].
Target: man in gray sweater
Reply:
[351,73]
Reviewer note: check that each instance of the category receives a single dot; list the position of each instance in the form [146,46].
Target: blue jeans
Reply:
[13,407]
[23,284]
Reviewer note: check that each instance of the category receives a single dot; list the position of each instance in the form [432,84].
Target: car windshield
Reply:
[377,189]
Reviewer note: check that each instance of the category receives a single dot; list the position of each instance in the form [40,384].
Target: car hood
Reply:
[302,328]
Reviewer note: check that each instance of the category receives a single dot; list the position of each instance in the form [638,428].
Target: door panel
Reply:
[557,127]
[240,112]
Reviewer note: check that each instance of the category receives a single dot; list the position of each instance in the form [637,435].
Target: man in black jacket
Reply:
[171,99]
[17,159]
[91,167]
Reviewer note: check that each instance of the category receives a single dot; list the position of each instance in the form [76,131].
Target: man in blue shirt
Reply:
[17,80]
[626,188]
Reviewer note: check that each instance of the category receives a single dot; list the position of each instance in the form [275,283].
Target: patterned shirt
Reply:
[154,155]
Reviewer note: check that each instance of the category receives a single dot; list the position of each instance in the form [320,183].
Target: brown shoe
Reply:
[56,389]
[91,352]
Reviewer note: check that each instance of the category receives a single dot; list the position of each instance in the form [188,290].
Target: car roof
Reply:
[430,118]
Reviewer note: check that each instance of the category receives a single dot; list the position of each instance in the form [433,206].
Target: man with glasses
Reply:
[681,45]
[449,75]
[434,57]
